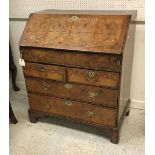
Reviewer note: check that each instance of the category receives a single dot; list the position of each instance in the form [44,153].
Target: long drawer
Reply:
[72,109]
[96,95]
[74,59]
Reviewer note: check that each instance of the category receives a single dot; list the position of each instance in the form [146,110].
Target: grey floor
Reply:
[51,136]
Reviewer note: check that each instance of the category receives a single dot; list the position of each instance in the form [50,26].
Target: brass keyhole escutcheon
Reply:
[74,18]
[68,103]
[91,74]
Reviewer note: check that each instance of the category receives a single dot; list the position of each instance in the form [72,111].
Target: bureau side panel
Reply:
[126,70]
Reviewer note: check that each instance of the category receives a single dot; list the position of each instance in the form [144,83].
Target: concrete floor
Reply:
[51,136]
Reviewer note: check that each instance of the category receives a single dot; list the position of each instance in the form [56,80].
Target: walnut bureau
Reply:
[78,67]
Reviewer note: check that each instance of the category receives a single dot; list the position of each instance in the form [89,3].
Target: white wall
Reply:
[138,69]
[137,83]
[22,8]
[16,29]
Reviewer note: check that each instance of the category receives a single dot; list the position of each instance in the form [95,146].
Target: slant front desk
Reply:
[78,67]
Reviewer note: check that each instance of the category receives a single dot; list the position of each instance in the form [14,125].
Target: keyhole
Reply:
[91,74]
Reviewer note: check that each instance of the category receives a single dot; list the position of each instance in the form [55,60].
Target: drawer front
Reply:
[76,59]
[59,106]
[90,94]
[93,77]
[73,109]
[44,71]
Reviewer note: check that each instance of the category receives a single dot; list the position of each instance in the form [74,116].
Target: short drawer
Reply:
[90,94]
[73,109]
[93,77]
[73,59]
[44,71]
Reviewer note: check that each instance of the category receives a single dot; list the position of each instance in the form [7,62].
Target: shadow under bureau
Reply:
[78,67]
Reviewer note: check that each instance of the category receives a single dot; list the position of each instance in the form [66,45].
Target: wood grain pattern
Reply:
[95,33]
[104,116]
[93,77]
[44,71]
[103,96]
[59,106]
[73,109]
[73,59]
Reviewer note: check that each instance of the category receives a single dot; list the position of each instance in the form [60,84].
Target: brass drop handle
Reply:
[91,114]
[42,68]
[91,74]
[68,86]
[92,94]
[48,105]
[40,55]
[68,103]
[45,89]
[45,86]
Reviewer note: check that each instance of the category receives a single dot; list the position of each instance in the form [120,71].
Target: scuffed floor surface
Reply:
[51,136]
